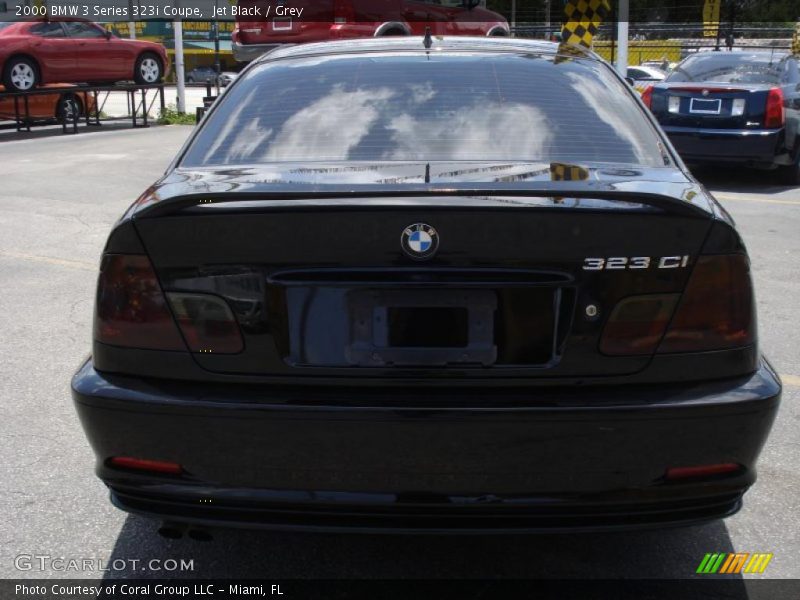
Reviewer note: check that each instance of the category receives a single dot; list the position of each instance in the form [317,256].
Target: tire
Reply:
[70,106]
[21,74]
[190,79]
[790,175]
[148,69]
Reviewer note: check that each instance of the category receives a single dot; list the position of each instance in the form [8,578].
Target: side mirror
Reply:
[109,35]
[470,4]
[631,81]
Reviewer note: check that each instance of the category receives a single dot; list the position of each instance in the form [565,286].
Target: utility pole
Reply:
[547,24]
[513,15]
[131,23]
[623,14]
[177,27]
[217,68]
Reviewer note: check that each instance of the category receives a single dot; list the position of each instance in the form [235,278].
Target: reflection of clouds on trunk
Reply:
[604,103]
[330,127]
[489,129]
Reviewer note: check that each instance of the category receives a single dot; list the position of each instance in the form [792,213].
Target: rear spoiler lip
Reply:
[149,207]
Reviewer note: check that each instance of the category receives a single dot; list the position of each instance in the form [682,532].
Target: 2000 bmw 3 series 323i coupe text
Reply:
[463,288]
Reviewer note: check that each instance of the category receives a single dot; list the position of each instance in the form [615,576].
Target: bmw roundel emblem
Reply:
[420,241]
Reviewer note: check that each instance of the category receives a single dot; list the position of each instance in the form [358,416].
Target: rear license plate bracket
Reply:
[704,106]
[421,327]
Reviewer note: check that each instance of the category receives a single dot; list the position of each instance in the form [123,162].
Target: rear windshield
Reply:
[442,107]
[729,67]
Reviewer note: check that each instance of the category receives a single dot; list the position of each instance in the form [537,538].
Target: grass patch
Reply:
[171,116]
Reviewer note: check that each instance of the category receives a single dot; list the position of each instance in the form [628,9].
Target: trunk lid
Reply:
[320,284]
[710,105]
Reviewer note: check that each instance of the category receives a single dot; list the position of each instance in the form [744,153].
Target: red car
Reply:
[46,107]
[262,26]
[59,51]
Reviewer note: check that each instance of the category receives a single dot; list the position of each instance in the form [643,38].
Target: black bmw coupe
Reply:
[392,287]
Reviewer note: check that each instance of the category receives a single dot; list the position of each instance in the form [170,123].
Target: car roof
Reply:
[415,43]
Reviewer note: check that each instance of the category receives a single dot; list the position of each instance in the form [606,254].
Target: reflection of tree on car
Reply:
[59,51]
[58,105]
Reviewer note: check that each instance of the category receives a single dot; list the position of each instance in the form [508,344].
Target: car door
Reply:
[790,85]
[95,57]
[53,50]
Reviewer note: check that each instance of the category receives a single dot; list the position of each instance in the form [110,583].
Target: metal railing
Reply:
[139,105]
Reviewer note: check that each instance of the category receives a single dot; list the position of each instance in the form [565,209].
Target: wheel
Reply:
[790,175]
[21,74]
[148,69]
[69,108]
[190,79]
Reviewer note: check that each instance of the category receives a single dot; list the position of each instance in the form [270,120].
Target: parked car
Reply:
[57,105]
[644,76]
[464,288]
[209,74]
[324,20]
[33,53]
[734,107]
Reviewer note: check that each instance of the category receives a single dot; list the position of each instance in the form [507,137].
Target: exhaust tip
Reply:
[200,535]
[171,531]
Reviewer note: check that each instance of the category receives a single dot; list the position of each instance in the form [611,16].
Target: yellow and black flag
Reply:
[796,40]
[711,18]
[583,19]
[567,172]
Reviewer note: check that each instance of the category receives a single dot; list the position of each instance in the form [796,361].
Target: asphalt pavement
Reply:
[60,195]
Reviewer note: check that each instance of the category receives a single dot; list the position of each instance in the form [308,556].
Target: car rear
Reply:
[260,29]
[724,107]
[573,347]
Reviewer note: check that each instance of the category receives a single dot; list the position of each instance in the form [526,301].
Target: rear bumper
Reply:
[512,461]
[757,147]
[250,52]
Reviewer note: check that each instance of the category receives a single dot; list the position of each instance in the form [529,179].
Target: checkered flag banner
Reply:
[796,40]
[583,19]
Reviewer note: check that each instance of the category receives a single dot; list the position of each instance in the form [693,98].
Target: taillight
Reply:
[716,310]
[343,12]
[131,309]
[637,324]
[775,116]
[207,323]
[647,96]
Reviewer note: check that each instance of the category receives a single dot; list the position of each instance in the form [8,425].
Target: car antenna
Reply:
[428,41]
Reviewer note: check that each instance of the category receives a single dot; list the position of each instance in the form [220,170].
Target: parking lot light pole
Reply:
[623,14]
[177,27]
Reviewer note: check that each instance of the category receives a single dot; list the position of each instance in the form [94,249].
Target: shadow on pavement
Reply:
[730,179]
[669,553]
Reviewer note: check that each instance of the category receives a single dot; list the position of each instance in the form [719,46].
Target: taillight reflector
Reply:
[131,310]
[716,310]
[647,96]
[701,471]
[775,115]
[141,464]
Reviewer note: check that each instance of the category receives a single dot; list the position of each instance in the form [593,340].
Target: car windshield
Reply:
[438,107]
[729,67]
[3,25]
